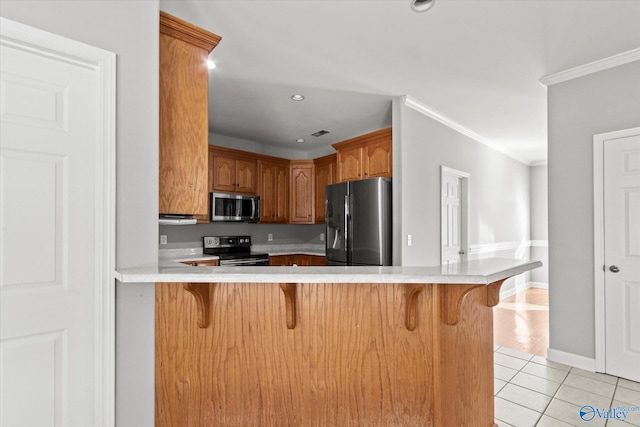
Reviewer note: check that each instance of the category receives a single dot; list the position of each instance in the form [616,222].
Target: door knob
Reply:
[614,269]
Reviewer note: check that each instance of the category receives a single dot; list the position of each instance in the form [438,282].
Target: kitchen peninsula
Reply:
[326,346]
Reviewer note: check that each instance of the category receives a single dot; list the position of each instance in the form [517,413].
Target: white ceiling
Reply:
[476,62]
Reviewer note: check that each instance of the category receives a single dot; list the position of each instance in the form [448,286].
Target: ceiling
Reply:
[478,63]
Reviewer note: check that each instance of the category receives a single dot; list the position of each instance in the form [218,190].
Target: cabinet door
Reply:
[224,173]
[350,164]
[281,191]
[246,176]
[325,175]
[267,192]
[317,260]
[183,144]
[279,260]
[377,159]
[302,194]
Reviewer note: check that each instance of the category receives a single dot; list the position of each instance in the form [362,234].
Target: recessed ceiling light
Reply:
[297,97]
[422,5]
[210,64]
[299,140]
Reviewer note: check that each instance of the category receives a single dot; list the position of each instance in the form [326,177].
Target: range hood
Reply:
[177,219]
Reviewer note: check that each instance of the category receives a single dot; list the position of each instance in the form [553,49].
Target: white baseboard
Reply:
[538,285]
[571,359]
[513,291]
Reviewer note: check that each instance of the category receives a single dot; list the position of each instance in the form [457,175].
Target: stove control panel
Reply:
[211,242]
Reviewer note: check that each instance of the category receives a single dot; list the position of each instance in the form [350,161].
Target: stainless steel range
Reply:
[233,250]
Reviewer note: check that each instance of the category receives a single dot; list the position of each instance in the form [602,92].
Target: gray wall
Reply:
[539,223]
[499,188]
[190,236]
[602,102]
[130,29]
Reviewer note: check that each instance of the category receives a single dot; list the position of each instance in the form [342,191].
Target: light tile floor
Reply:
[533,391]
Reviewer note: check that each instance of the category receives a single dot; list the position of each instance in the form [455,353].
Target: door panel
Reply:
[622,253]
[451,219]
[50,194]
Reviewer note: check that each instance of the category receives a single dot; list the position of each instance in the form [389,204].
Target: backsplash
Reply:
[188,236]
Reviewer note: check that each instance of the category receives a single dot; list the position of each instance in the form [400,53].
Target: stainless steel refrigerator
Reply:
[358,222]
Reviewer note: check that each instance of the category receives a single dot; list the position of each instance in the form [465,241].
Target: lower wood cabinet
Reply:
[297,259]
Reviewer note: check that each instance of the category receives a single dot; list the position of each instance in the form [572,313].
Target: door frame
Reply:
[599,141]
[103,63]
[464,208]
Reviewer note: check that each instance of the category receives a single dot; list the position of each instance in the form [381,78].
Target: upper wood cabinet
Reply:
[233,171]
[183,177]
[273,190]
[325,175]
[302,187]
[365,156]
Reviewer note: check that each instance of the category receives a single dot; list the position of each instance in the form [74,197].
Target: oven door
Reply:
[244,262]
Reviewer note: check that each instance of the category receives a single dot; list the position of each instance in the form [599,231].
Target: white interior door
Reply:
[53,265]
[622,256]
[453,217]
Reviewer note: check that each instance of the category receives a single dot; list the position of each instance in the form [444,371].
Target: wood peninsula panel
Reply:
[341,356]
[183,174]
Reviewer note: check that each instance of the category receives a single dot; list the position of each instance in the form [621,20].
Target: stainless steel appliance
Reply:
[234,207]
[233,250]
[358,222]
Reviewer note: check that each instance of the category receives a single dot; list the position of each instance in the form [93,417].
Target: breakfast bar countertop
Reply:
[482,271]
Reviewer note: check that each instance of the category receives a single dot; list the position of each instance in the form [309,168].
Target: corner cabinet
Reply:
[302,186]
[365,156]
[183,177]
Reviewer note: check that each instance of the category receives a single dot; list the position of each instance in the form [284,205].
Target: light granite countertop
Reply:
[483,271]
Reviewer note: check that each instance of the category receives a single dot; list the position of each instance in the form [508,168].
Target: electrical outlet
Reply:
[322,237]
[270,237]
[163,239]
[409,240]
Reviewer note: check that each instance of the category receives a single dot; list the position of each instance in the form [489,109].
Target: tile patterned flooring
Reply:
[533,391]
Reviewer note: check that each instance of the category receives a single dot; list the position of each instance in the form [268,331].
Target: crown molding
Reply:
[436,115]
[591,67]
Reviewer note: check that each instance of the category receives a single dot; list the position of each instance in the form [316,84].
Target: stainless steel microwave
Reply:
[234,207]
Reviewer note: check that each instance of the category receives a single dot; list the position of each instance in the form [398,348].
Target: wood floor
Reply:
[521,322]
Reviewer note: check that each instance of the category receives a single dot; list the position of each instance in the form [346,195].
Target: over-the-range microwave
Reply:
[234,207]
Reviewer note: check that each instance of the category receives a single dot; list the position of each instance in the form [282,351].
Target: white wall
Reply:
[578,109]
[130,29]
[499,190]
[539,224]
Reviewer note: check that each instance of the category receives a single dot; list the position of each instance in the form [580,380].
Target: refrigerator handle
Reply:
[347,229]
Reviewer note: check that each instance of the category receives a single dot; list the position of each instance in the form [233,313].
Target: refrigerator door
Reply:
[370,225]
[336,221]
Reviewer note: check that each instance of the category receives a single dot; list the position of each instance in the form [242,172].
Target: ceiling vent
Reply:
[320,133]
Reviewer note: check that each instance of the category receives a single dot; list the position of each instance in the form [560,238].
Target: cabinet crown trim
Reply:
[188,32]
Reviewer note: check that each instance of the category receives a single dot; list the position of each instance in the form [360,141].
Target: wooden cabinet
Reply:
[297,259]
[302,186]
[233,172]
[365,156]
[183,116]
[273,190]
[325,175]
[203,263]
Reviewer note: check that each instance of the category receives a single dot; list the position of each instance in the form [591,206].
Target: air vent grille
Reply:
[320,133]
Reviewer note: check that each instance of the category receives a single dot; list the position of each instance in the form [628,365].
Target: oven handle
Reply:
[254,261]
